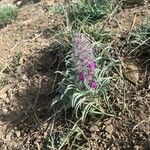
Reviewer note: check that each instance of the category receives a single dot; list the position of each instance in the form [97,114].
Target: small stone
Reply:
[108,136]
[24,77]
[21,61]
[103,127]
[5,110]
[9,135]
[19,3]
[98,123]
[132,72]
[114,148]
[94,128]
[3,96]
[104,144]
[45,134]
[136,147]
[94,136]
[15,145]
[7,100]
[28,140]
[113,22]
[18,133]
[109,129]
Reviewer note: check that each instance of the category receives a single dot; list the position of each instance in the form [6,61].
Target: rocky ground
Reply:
[28,90]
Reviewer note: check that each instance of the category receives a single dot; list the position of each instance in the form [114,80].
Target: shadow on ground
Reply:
[33,87]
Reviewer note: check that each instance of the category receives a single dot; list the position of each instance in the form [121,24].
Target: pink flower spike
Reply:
[93,85]
[81,76]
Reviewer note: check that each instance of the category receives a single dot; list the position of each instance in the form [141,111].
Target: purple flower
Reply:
[93,85]
[81,76]
[92,65]
[84,59]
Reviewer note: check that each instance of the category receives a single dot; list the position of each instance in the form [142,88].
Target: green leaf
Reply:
[86,110]
[79,104]
[77,96]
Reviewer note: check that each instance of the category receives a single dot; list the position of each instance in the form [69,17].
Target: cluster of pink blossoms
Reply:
[84,59]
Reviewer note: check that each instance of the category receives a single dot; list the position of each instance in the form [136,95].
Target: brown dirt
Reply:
[26,33]
[34,81]
[129,19]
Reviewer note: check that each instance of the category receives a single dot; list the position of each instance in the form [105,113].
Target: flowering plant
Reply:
[85,85]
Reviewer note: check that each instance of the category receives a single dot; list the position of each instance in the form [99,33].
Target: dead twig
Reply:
[37,145]
[110,16]
[133,23]
[118,24]
[39,90]
[4,89]
[139,45]
[138,124]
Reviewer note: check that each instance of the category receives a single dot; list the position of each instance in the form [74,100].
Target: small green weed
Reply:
[15,61]
[82,16]
[4,78]
[6,71]
[88,10]
[7,13]
[97,34]
[67,138]
[133,2]
[139,40]
[65,34]
[1,67]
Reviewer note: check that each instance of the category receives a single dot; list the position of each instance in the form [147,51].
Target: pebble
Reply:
[5,110]
[98,123]
[108,136]
[136,147]
[9,135]
[19,3]
[18,133]
[94,128]
[95,136]
[113,23]
[7,100]
[3,96]
[109,129]
[24,77]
